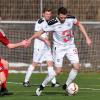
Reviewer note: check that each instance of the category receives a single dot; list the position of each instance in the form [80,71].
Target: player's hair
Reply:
[62,10]
[47,9]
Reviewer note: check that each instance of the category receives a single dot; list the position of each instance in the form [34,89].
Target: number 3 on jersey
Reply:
[67,35]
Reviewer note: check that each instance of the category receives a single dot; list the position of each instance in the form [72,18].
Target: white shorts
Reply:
[40,55]
[69,51]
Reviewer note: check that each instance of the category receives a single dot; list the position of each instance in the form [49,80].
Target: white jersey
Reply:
[39,44]
[63,33]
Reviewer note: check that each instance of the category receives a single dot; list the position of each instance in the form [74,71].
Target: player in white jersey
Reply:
[64,45]
[42,50]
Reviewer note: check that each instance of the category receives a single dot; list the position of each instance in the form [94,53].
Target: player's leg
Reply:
[58,54]
[58,66]
[73,73]
[49,77]
[54,83]
[49,60]
[36,58]
[29,72]
[72,55]
[4,90]
[51,72]
[5,64]
[2,77]
[2,81]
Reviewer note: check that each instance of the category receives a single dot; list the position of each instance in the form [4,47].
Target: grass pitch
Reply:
[89,88]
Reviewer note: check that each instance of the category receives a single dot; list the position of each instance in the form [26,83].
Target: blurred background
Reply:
[85,10]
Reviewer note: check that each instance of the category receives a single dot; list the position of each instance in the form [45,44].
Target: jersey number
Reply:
[67,35]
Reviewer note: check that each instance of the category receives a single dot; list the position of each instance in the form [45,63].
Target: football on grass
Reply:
[72,89]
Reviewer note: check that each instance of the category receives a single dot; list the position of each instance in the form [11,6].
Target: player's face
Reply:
[47,15]
[62,18]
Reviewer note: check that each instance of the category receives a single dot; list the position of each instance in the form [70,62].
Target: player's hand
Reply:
[25,43]
[88,41]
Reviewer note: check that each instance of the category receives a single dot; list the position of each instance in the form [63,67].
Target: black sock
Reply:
[41,87]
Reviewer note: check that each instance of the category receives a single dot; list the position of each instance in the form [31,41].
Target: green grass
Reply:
[89,84]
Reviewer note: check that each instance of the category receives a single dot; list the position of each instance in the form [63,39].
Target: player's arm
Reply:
[82,29]
[38,30]
[45,40]
[36,35]
[15,45]
[5,41]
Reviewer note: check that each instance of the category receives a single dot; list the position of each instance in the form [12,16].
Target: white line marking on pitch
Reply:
[49,85]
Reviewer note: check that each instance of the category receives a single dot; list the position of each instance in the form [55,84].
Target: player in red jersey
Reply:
[4,64]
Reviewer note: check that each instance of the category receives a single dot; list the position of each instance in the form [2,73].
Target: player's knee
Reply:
[58,71]
[34,64]
[2,77]
[5,63]
[76,66]
[2,81]
[49,63]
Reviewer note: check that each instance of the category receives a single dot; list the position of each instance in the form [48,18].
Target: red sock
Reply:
[6,74]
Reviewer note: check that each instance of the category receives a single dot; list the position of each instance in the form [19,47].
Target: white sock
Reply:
[49,77]
[53,80]
[29,73]
[72,76]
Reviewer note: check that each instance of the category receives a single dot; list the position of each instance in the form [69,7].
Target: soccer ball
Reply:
[72,89]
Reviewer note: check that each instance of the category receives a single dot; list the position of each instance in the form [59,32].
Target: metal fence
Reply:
[85,10]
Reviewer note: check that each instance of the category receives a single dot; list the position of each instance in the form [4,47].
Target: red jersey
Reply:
[3,38]
[4,41]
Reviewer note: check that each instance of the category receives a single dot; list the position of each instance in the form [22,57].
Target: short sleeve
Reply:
[76,22]
[38,27]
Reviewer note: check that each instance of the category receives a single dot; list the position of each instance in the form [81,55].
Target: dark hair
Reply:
[62,10]
[47,9]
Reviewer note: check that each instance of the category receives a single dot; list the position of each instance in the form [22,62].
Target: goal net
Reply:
[20,58]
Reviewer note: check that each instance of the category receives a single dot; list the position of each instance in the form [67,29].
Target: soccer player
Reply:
[42,50]
[4,63]
[63,45]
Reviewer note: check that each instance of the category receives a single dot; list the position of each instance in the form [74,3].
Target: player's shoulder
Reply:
[53,21]
[71,17]
[40,20]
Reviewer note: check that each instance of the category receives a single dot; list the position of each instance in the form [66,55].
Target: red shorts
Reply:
[1,67]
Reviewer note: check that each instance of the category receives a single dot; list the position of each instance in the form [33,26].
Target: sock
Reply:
[29,73]
[72,76]
[4,85]
[49,77]
[53,80]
